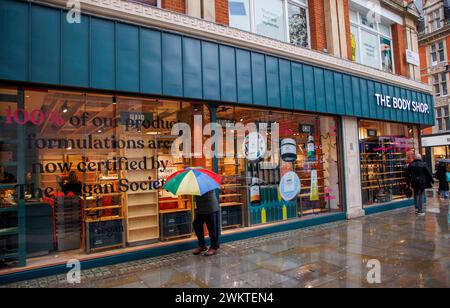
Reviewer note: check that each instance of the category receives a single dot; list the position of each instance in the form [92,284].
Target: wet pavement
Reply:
[413,252]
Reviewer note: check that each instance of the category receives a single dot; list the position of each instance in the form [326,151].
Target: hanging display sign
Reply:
[400,103]
[254,147]
[290,186]
[412,57]
[314,186]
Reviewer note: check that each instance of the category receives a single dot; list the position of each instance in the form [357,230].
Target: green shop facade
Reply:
[88,112]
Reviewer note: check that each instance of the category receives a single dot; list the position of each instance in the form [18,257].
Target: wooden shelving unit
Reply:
[231,198]
[383,172]
[142,208]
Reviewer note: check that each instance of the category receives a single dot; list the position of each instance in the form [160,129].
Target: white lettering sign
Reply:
[399,103]
[412,57]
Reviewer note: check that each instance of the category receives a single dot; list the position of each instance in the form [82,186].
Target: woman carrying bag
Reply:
[444,177]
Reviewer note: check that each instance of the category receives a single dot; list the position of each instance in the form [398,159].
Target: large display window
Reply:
[386,149]
[89,170]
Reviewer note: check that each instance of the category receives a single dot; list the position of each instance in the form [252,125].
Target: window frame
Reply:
[434,17]
[285,8]
[436,50]
[375,31]
[439,80]
[443,119]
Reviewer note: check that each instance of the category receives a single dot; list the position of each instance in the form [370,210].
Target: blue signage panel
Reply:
[123,57]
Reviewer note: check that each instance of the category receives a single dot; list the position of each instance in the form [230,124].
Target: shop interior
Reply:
[93,172]
[386,149]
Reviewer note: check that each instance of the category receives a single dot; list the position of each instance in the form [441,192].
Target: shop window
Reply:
[371,42]
[284,20]
[94,166]
[313,158]
[386,149]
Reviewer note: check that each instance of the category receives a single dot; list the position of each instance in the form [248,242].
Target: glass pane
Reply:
[444,88]
[370,49]
[269,19]
[447,123]
[439,112]
[366,22]
[386,150]
[434,57]
[353,16]
[446,111]
[355,43]
[240,14]
[385,29]
[298,25]
[441,45]
[441,56]
[439,122]
[386,55]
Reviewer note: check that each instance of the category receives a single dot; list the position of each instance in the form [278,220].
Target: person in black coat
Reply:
[441,175]
[419,178]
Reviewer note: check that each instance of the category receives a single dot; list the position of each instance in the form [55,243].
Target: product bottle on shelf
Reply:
[311,148]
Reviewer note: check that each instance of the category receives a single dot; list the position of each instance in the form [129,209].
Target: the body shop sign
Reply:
[399,103]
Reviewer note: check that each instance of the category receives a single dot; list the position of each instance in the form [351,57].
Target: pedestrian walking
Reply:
[207,212]
[419,178]
[441,176]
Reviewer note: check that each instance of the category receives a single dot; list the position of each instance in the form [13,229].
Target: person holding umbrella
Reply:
[202,184]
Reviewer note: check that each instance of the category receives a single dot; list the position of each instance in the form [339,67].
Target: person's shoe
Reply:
[211,252]
[197,251]
[421,214]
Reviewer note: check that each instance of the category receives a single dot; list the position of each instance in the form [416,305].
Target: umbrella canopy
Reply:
[193,182]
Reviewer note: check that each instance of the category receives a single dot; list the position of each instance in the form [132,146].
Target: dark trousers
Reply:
[418,199]
[212,223]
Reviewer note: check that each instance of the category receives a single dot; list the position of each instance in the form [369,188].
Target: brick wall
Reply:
[423,63]
[222,16]
[399,48]
[174,5]
[317,25]
[347,29]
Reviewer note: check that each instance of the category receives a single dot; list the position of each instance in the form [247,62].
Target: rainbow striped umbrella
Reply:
[192,182]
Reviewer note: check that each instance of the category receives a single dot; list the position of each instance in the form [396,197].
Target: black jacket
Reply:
[441,175]
[418,175]
[207,204]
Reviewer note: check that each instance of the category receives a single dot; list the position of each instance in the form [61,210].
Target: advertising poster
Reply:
[314,186]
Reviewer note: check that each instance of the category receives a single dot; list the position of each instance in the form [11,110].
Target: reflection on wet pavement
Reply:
[413,252]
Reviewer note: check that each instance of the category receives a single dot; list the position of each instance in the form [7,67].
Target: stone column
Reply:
[352,170]
[336,28]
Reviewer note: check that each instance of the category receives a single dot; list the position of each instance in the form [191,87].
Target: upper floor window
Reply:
[440,84]
[437,53]
[284,20]
[371,42]
[442,118]
[435,20]
[150,2]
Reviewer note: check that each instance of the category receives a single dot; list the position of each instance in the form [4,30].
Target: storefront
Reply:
[434,148]
[91,131]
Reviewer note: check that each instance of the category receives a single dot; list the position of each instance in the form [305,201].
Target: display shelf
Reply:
[8,164]
[227,204]
[103,208]
[9,255]
[6,209]
[8,186]
[108,218]
[174,211]
[9,231]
